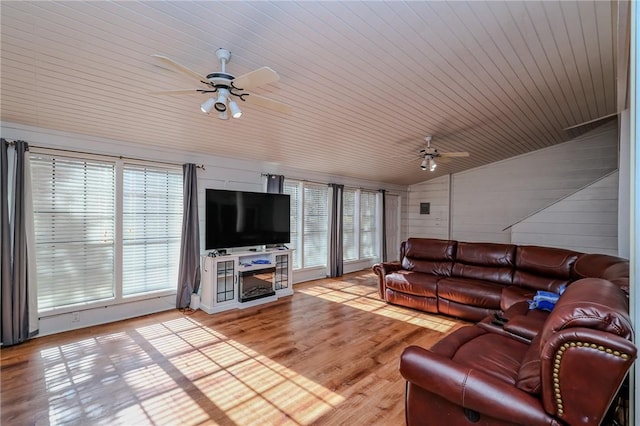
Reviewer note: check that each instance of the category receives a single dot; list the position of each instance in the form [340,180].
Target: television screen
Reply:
[244,219]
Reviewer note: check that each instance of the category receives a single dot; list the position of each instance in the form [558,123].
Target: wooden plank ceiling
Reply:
[366,80]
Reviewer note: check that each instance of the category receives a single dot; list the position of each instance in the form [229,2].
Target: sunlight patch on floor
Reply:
[363,297]
[176,372]
[253,389]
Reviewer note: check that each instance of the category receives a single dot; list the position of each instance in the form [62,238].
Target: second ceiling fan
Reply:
[429,155]
[225,89]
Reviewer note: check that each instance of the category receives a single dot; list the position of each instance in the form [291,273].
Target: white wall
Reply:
[436,223]
[488,199]
[218,172]
[624,189]
[585,221]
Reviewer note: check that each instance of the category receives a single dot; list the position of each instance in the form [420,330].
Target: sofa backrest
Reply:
[485,261]
[543,268]
[532,267]
[612,268]
[429,255]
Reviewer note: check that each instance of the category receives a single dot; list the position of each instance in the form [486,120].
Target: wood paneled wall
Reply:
[586,221]
[486,200]
[436,223]
[489,199]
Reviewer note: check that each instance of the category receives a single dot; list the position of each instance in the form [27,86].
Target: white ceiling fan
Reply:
[429,155]
[227,89]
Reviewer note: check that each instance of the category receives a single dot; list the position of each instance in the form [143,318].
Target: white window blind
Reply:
[293,189]
[152,226]
[367,224]
[315,224]
[73,201]
[349,242]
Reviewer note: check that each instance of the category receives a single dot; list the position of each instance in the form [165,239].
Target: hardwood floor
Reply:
[327,355]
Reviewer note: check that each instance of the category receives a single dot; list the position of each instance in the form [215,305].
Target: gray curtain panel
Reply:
[189,269]
[335,233]
[15,304]
[275,184]
[383,231]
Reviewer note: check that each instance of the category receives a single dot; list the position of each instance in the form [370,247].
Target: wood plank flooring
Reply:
[328,355]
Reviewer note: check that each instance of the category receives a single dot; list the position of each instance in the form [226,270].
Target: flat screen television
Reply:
[245,219]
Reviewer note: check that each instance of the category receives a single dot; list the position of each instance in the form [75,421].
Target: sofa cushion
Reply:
[424,304]
[485,261]
[475,348]
[411,282]
[619,275]
[528,324]
[470,292]
[591,265]
[543,268]
[431,256]
[513,295]
[463,310]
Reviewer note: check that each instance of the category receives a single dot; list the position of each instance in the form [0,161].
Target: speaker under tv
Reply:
[244,219]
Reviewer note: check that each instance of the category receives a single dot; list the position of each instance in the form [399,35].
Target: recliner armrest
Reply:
[576,364]
[470,388]
[382,269]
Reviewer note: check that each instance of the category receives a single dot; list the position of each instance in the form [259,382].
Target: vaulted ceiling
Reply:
[366,81]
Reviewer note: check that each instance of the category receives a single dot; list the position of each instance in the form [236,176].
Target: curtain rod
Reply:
[120,157]
[323,183]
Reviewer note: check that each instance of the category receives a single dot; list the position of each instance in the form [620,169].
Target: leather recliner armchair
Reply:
[568,374]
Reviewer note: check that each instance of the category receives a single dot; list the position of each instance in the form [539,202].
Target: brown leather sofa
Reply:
[568,374]
[515,366]
[474,280]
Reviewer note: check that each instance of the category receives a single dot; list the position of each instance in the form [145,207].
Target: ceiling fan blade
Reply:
[181,68]
[264,75]
[178,92]
[252,99]
[444,160]
[454,154]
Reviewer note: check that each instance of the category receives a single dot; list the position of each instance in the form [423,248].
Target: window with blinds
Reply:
[74,215]
[151,224]
[367,224]
[315,225]
[309,218]
[293,189]
[349,241]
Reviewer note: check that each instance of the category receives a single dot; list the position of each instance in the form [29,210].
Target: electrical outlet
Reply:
[75,316]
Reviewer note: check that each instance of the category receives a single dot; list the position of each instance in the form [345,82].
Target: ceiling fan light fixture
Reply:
[432,164]
[222,115]
[236,112]
[221,102]
[423,166]
[207,106]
